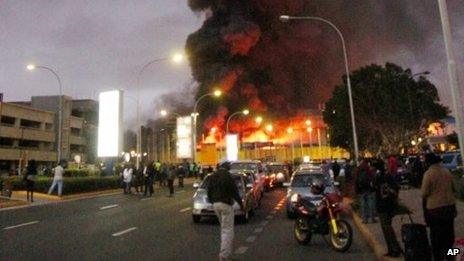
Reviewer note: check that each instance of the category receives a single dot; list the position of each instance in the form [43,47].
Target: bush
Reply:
[71,184]
[81,173]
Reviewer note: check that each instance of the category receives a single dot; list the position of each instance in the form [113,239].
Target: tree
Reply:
[391,108]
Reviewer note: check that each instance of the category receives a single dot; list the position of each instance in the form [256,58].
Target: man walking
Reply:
[57,180]
[222,192]
[364,189]
[440,206]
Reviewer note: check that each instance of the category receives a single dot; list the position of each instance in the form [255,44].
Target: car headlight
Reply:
[197,206]
[294,198]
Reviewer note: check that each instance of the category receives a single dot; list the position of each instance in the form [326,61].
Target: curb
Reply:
[76,197]
[378,248]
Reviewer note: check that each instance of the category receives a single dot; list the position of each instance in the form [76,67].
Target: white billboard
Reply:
[184,137]
[232,147]
[109,123]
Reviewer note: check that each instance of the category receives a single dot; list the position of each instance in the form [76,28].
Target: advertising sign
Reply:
[109,123]
[184,137]
[232,147]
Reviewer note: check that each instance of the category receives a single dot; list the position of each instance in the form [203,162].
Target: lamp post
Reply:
[452,73]
[290,132]
[216,93]
[176,58]
[285,18]
[244,112]
[31,67]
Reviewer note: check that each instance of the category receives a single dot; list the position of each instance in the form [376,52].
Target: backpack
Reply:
[363,181]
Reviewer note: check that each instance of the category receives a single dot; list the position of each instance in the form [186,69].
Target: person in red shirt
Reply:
[392,165]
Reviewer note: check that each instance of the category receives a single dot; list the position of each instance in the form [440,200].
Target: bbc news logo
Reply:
[453,252]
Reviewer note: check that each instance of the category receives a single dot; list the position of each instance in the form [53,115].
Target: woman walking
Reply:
[29,178]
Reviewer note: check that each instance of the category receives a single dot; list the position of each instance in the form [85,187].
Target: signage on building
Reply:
[109,124]
[184,137]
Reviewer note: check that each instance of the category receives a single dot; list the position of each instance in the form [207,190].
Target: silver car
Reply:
[203,208]
[300,185]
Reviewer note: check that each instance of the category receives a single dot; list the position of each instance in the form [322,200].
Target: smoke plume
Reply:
[286,68]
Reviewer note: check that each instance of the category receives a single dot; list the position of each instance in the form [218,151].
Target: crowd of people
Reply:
[377,187]
[142,180]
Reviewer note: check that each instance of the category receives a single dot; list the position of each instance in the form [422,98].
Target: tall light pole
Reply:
[452,74]
[216,93]
[290,132]
[244,112]
[31,67]
[285,18]
[176,58]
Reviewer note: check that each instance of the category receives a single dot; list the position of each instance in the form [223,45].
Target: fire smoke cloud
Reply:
[286,68]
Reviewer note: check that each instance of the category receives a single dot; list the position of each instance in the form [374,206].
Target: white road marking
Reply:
[264,223]
[269,217]
[124,232]
[250,239]
[273,212]
[180,191]
[21,225]
[185,209]
[241,250]
[109,206]
[258,230]
[146,198]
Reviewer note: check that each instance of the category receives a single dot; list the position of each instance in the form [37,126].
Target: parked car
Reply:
[203,208]
[310,166]
[452,160]
[300,185]
[276,174]
[254,171]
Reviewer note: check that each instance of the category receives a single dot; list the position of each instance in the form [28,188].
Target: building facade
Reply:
[29,130]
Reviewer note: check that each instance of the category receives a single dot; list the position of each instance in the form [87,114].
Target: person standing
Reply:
[171,176]
[139,178]
[149,175]
[440,206]
[181,172]
[364,189]
[386,195]
[29,177]
[57,179]
[127,178]
[222,192]
[336,169]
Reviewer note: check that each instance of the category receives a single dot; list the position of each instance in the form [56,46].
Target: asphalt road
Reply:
[122,227]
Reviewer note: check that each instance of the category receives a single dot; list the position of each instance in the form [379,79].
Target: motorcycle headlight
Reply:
[294,198]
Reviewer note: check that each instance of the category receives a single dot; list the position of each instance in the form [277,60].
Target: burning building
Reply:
[285,71]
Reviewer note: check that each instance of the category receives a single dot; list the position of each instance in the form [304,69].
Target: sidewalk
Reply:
[412,199]
[41,198]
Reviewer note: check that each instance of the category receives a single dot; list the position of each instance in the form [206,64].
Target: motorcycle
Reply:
[323,219]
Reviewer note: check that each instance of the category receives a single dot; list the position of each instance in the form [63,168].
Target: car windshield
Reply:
[238,182]
[448,158]
[276,168]
[243,166]
[305,180]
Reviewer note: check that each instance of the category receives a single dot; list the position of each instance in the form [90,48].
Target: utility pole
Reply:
[452,73]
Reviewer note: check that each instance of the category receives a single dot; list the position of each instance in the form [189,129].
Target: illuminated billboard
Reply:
[184,137]
[232,147]
[109,123]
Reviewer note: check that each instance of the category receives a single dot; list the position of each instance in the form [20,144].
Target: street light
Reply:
[176,58]
[259,119]
[216,93]
[244,112]
[308,122]
[32,67]
[269,127]
[285,18]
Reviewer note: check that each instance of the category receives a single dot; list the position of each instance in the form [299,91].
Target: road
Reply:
[122,227]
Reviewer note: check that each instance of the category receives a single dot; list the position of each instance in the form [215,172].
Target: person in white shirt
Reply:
[127,178]
[57,179]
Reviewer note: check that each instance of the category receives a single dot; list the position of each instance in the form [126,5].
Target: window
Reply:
[7,142]
[30,124]
[7,120]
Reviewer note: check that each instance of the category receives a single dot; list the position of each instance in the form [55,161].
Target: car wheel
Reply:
[196,218]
